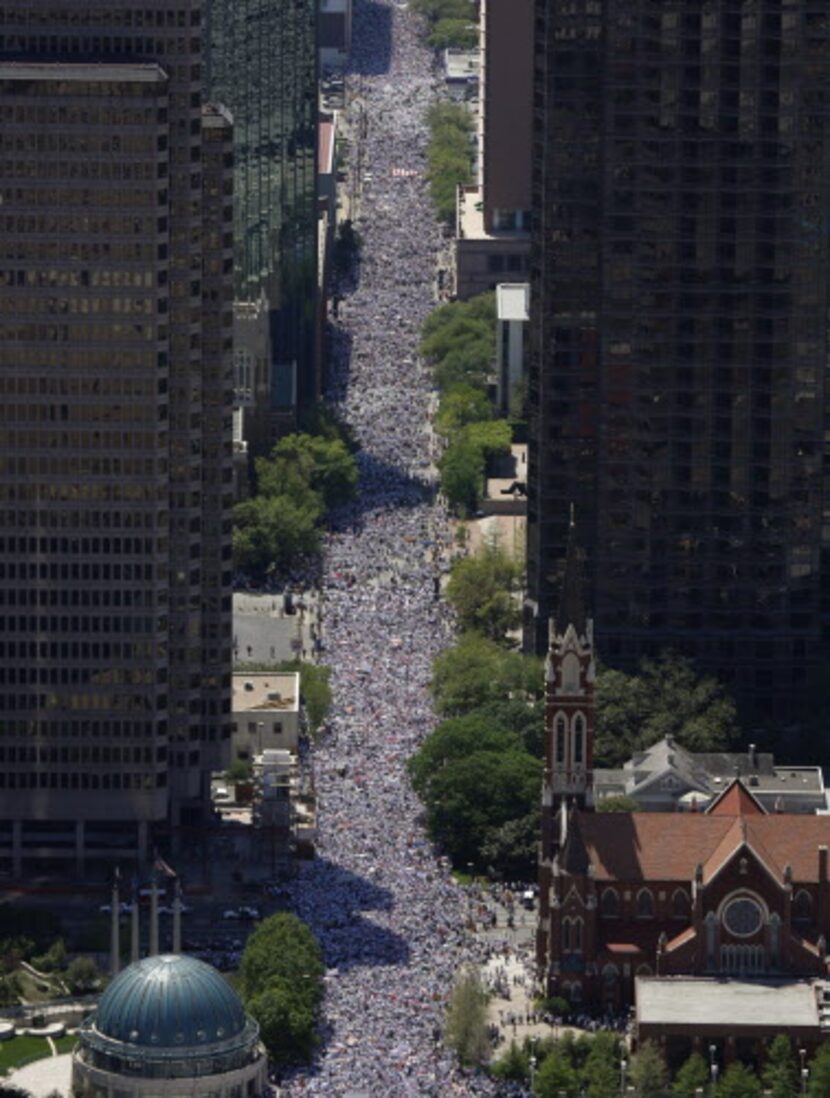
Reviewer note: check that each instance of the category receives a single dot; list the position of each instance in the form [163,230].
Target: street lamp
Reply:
[623,1069]
[533,1061]
[713,1068]
[805,1071]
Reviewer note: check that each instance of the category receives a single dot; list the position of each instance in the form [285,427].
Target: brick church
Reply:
[729,891]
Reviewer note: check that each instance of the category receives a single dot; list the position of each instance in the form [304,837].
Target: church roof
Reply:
[668,846]
[736,800]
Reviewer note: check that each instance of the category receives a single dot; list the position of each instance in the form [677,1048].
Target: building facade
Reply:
[729,892]
[261,62]
[678,340]
[115,383]
[493,218]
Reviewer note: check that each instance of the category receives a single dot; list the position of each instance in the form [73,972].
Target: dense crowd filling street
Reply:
[387,912]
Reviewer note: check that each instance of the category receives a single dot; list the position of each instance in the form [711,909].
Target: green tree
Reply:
[286,1022]
[282,947]
[649,1074]
[461,820]
[462,476]
[455,739]
[453,33]
[53,959]
[554,1077]
[459,339]
[780,1075]
[818,1084]
[514,1065]
[511,848]
[82,975]
[692,1076]
[449,155]
[465,1028]
[617,802]
[462,404]
[482,590]
[477,672]
[665,697]
[239,771]
[600,1071]
[322,464]
[275,531]
[739,1082]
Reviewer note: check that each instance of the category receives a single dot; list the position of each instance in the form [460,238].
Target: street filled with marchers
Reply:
[386,910]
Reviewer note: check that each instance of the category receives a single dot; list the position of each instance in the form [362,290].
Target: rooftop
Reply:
[512,300]
[702,1002]
[267,690]
[462,64]
[168,1002]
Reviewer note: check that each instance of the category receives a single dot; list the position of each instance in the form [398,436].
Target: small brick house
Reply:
[730,891]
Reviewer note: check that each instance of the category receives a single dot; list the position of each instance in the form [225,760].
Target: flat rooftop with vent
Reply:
[666,776]
[265,712]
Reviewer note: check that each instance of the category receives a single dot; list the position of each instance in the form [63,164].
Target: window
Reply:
[645,904]
[609,904]
[681,908]
[579,740]
[802,907]
[743,917]
[560,728]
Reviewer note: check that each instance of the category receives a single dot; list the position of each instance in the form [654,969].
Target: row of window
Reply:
[74,780]
[610,905]
[577,752]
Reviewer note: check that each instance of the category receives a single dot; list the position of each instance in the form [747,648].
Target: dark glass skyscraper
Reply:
[262,64]
[679,335]
[115,429]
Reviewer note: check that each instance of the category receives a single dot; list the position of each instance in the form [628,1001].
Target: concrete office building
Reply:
[678,344]
[261,62]
[115,431]
[493,222]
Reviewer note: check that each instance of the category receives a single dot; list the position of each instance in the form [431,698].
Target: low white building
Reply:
[265,713]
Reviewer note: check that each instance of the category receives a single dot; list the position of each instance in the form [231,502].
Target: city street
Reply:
[388,914]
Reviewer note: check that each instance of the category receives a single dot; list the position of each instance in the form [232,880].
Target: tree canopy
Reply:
[305,475]
[692,1076]
[462,404]
[465,1029]
[483,590]
[476,672]
[739,1082]
[281,974]
[781,1073]
[649,1073]
[449,153]
[665,697]
[459,340]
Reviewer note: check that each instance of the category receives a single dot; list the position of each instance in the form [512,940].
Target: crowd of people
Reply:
[389,916]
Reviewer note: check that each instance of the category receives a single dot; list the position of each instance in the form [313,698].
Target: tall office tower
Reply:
[261,62]
[115,430]
[679,330]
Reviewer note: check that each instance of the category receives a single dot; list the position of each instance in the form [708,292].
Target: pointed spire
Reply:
[572,596]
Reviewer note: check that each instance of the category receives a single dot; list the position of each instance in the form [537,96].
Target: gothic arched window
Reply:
[579,740]
[560,728]
[570,674]
[802,907]
[609,903]
[645,904]
[681,908]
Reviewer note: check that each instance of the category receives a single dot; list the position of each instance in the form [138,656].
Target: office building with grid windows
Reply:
[678,345]
[115,431]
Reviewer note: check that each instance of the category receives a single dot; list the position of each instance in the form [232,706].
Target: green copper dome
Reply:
[170,1002]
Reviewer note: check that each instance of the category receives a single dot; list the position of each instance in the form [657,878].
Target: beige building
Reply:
[115,431]
[493,225]
[266,713]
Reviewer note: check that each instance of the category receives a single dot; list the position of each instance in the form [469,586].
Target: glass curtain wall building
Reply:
[679,330]
[115,430]
[262,64]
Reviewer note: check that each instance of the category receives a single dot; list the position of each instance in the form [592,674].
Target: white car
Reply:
[230,914]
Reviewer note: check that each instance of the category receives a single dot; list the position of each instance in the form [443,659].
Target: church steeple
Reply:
[569,730]
[572,596]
